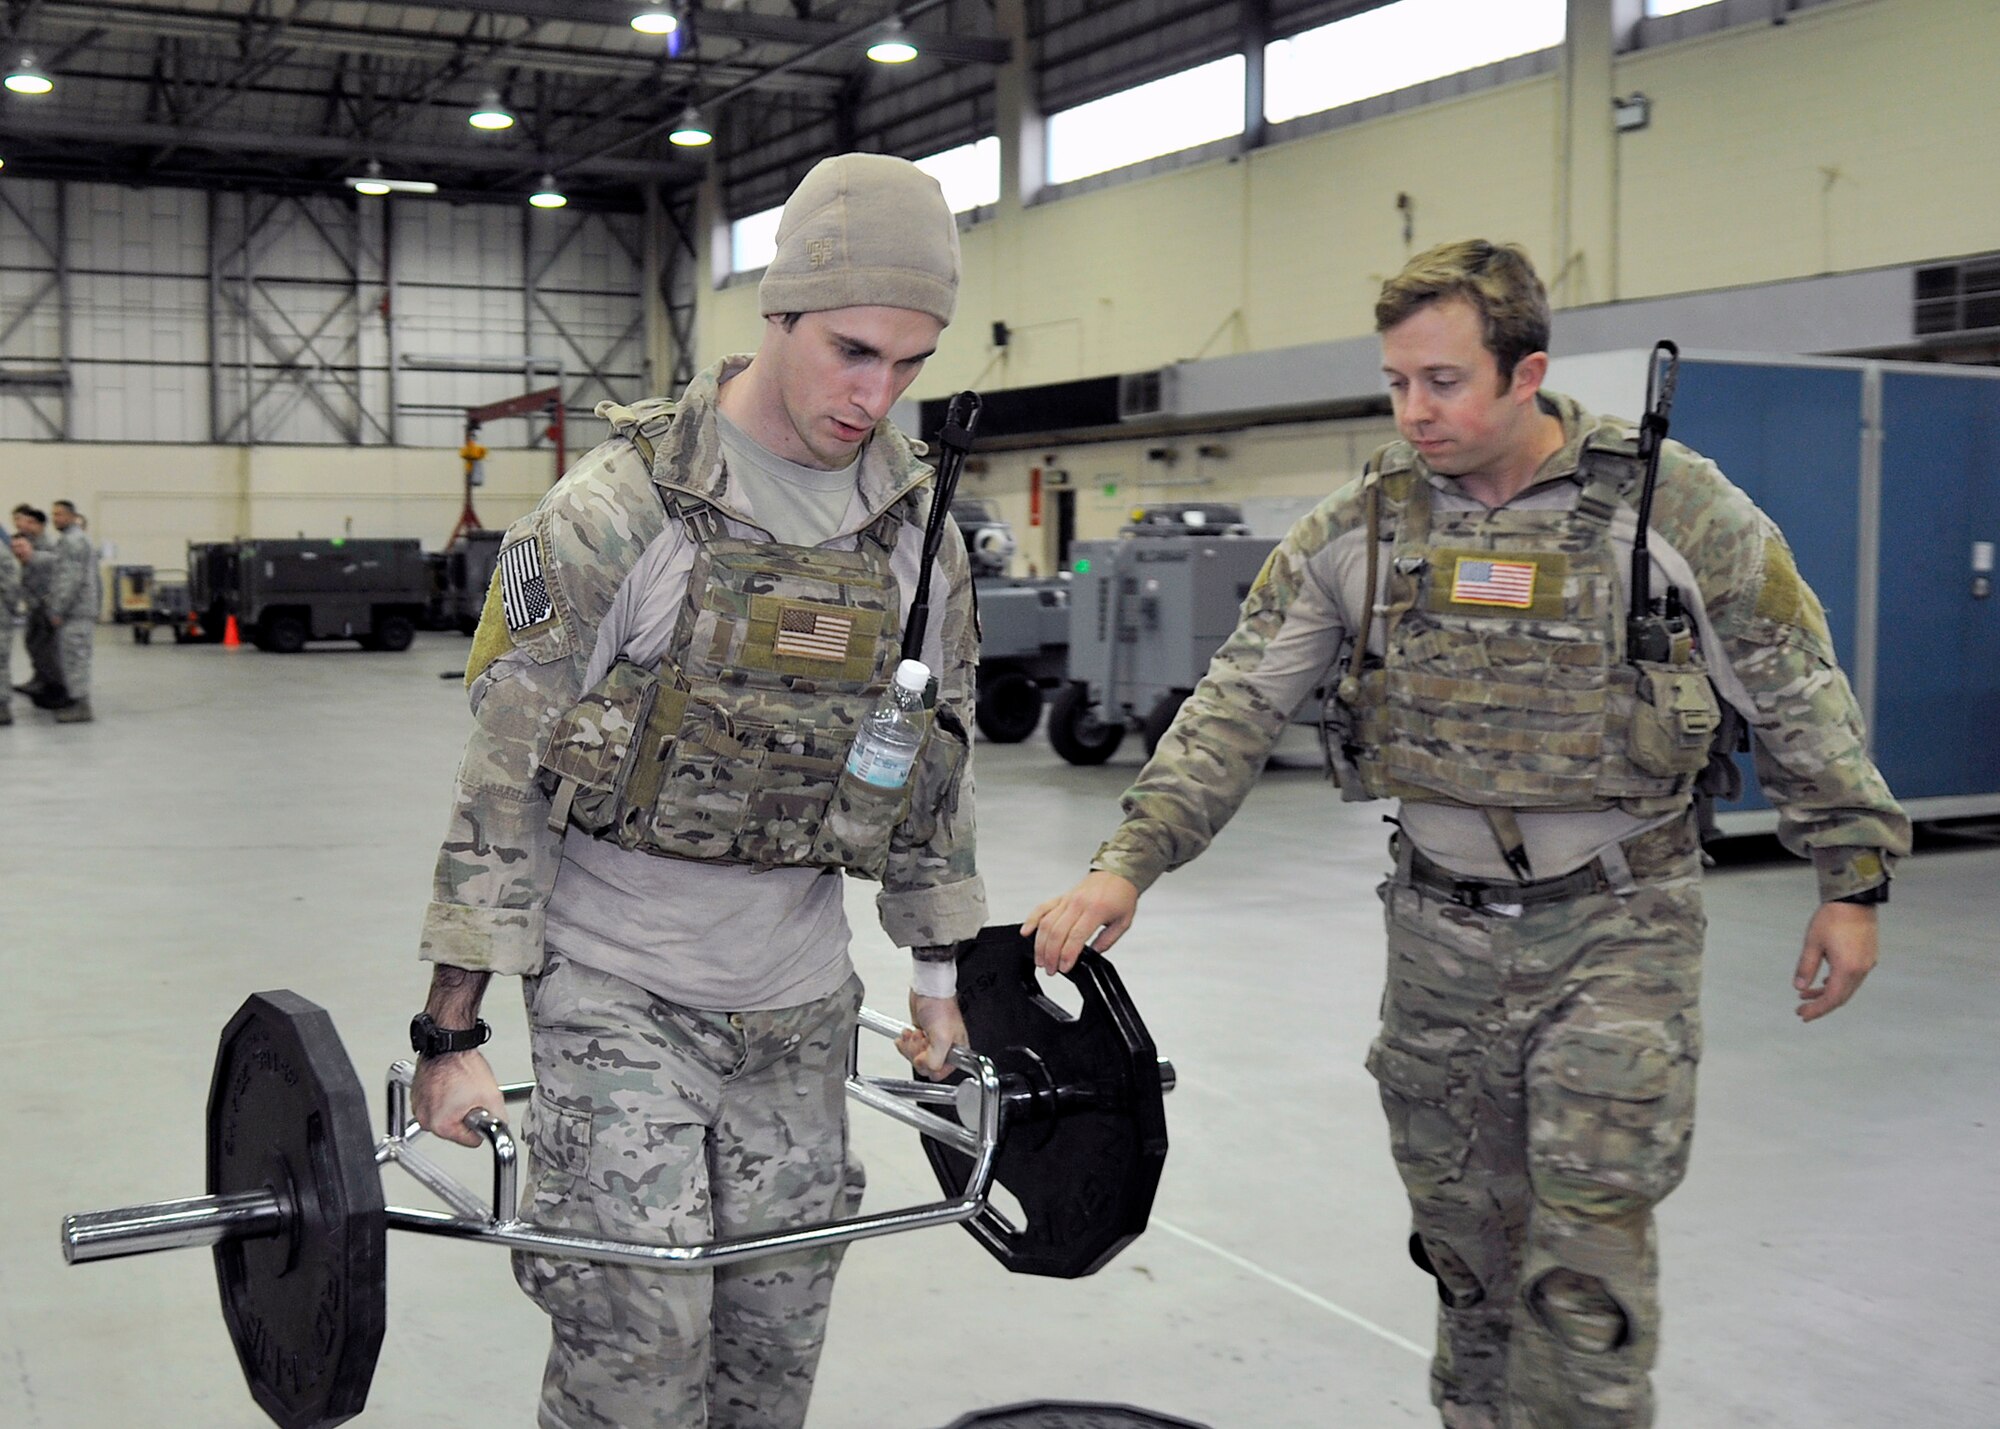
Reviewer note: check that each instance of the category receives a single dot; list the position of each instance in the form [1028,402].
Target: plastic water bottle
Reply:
[887,746]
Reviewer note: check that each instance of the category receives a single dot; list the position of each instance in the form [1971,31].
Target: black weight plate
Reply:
[306,1308]
[1085,1176]
[1066,1414]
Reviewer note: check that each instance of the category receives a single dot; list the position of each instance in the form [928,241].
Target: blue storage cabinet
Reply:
[1885,478]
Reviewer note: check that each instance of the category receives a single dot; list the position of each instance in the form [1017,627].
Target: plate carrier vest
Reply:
[1504,683]
[733,748]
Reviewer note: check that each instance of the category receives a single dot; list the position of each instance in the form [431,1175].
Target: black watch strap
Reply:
[1868,897]
[427,1039]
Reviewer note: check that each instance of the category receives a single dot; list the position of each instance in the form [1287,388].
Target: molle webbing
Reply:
[1504,684]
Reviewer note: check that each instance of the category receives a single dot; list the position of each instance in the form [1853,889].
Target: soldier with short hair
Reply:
[1541,1029]
[654,811]
[74,608]
[33,523]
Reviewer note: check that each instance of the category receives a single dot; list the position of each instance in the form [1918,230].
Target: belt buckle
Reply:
[1468,893]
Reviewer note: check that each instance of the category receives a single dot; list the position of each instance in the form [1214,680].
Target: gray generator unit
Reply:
[371,591]
[1023,628]
[1147,612]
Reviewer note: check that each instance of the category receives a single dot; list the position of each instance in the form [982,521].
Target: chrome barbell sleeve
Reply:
[171,1225]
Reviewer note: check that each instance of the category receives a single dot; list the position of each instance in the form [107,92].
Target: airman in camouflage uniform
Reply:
[1541,1027]
[10,612]
[74,609]
[40,575]
[652,814]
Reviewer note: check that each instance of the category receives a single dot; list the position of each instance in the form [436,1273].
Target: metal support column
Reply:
[214,210]
[389,314]
[1256,34]
[249,289]
[64,341]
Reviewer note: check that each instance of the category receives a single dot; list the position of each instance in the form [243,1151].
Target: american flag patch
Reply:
[1494,583]
[812,634]
[524,594]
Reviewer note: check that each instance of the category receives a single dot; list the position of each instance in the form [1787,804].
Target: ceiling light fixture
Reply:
[491,113]
[374,185]
[548,195]
[656,21]
[894,47]
[24,78]
[691,132]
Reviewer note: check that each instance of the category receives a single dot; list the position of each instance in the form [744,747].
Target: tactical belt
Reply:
[1618,869]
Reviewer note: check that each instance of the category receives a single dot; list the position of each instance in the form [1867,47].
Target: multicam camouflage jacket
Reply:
[600,526]
[1761,632]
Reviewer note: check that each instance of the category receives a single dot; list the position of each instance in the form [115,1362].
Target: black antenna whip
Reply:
[961,420]
[1649,625]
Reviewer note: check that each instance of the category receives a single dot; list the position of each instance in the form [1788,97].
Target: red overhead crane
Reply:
[547,401]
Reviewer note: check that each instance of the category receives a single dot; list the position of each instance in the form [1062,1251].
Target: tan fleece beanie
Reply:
[864,230]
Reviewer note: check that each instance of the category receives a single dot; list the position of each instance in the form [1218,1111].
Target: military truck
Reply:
[1023,628]
[1147,612]
[284,593]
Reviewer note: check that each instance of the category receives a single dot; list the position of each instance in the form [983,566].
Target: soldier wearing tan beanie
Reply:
[690,995]
[864,280]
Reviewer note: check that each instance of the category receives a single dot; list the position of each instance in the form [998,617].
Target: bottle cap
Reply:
[913,675]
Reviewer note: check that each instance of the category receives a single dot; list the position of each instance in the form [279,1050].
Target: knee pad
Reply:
[1580,1311]
[1458,1287]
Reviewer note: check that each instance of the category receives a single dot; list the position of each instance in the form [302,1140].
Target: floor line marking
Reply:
[1341,1311]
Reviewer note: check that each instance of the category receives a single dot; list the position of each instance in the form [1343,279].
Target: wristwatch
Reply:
[1868,897]
[427,1039]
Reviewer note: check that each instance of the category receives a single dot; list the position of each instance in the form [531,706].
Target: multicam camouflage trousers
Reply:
[1538,1075]
[654,1122]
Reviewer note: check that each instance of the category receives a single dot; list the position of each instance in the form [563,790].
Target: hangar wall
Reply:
[149,500]
[1840,140]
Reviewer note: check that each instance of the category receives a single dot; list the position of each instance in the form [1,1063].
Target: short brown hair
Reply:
[1496,278]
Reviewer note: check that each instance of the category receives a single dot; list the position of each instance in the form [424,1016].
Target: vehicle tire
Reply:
[468,625]
[393,632]
[1009,706]
[1076,732]
[1160,716]
[281,634]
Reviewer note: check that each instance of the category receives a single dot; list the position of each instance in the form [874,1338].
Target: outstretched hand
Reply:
[1096,912]
[1841,942]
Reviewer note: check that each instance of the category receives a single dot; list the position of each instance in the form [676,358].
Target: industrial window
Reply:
[753,240]
[1391,48]
[1656,8]
[969,174]
[1196,106]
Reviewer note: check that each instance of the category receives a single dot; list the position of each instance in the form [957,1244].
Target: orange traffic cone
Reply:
[232,639]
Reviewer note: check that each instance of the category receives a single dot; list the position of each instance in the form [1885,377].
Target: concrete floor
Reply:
[237,821]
